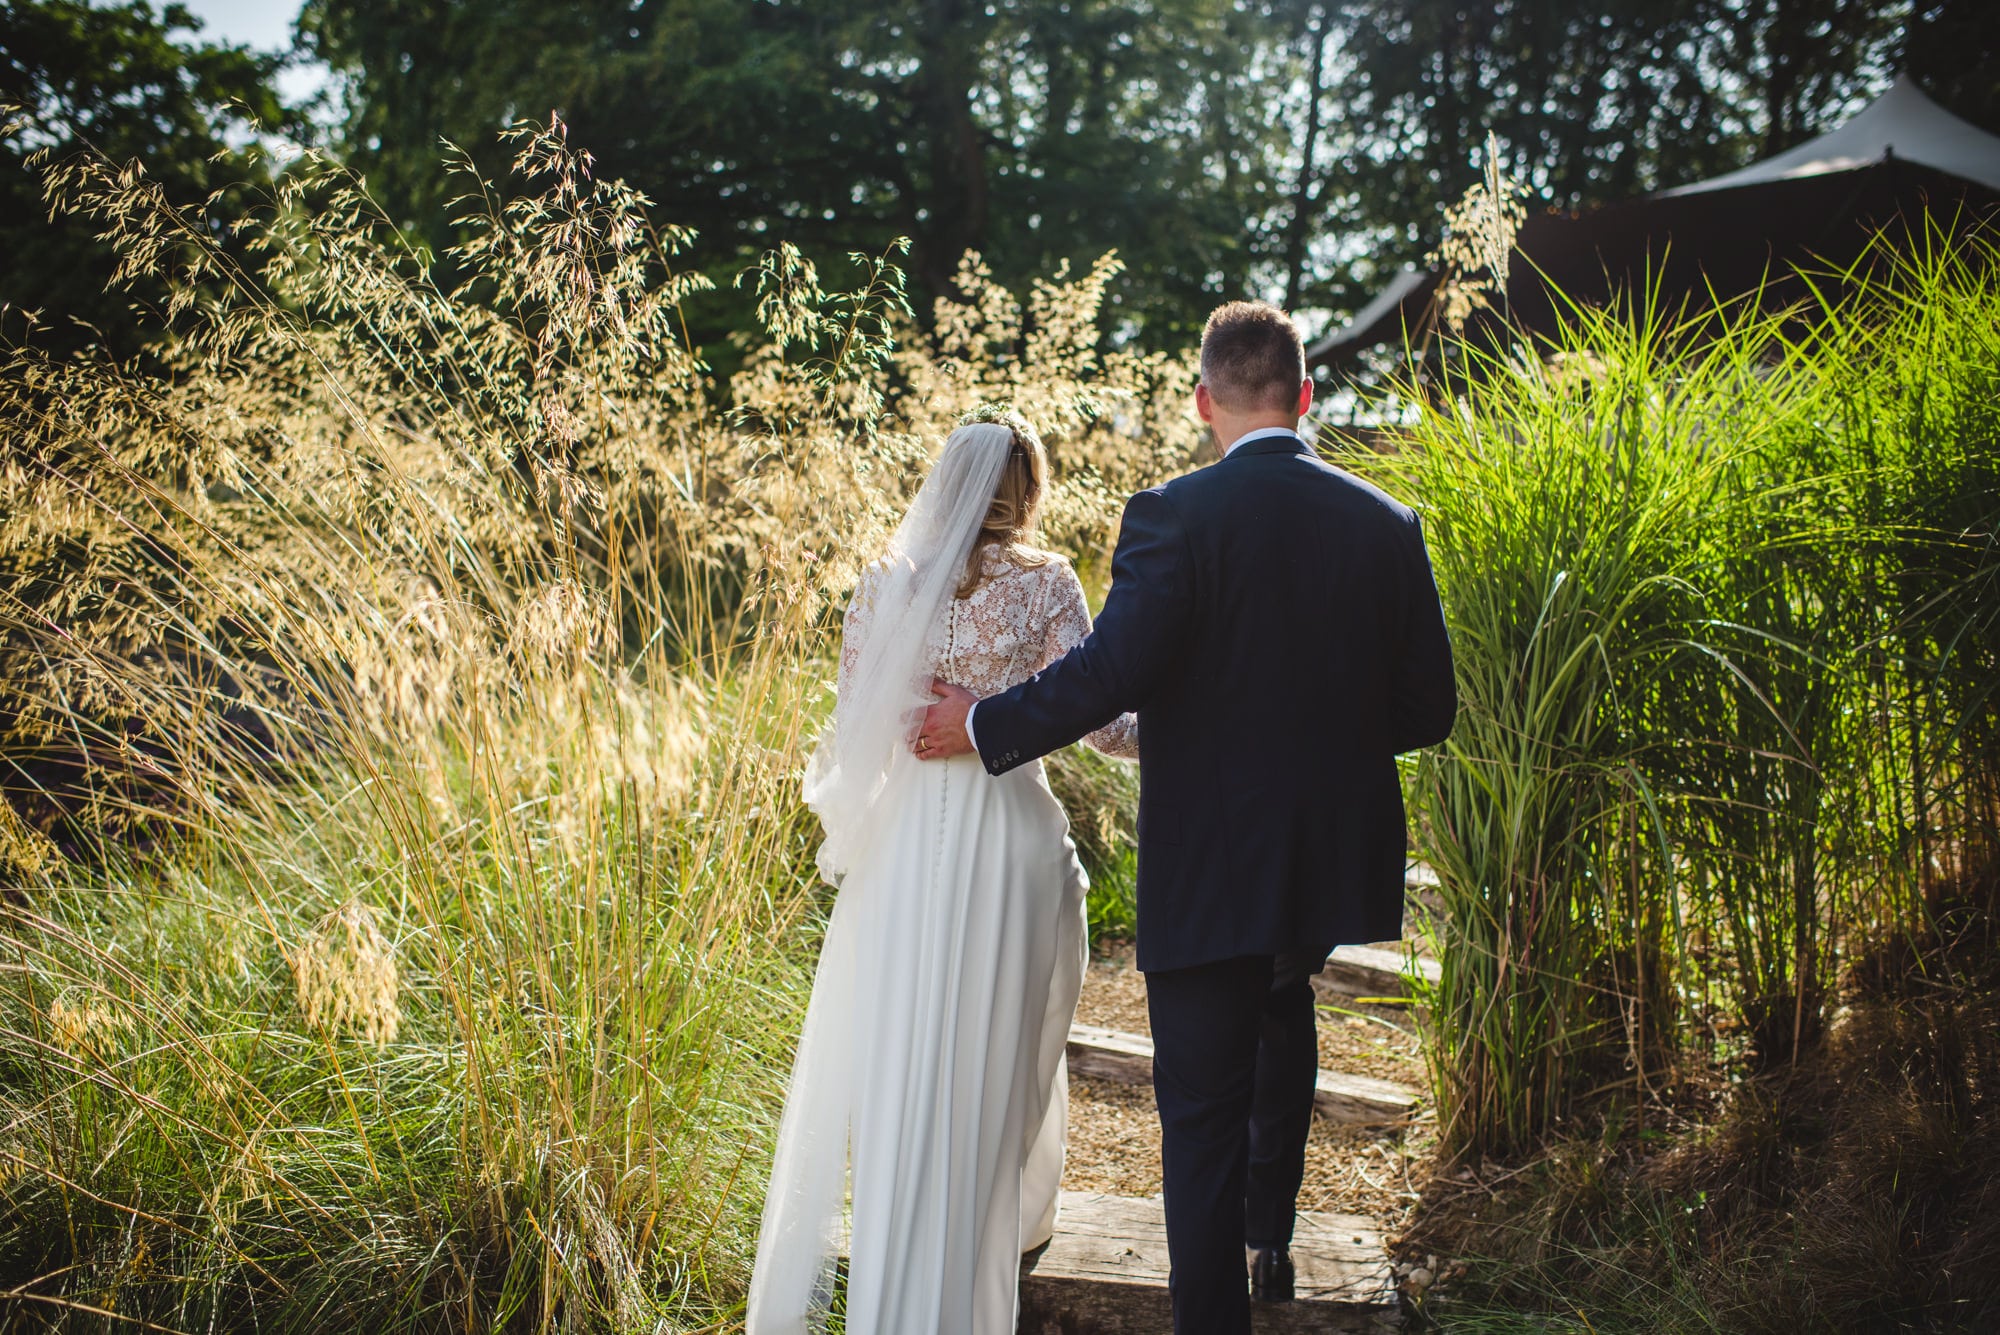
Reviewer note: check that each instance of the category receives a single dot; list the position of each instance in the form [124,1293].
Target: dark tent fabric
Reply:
[1816,207]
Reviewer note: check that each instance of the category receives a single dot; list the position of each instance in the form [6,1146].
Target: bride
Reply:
[928,1100]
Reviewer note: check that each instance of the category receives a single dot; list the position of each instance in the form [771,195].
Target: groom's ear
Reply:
[1305,396]
[1204,402]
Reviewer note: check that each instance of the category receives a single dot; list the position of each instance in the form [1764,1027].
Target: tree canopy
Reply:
[121,80]
[1292,148]
[1289,147]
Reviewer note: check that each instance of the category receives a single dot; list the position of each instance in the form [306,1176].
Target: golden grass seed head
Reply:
[25,852]
[87,1024]
[558,621]
[346,976]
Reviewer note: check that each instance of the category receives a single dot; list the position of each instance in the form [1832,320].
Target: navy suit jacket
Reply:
[1275,623]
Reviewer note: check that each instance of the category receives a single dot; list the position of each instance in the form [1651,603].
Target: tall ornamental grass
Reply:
[408,904]
[1723,609]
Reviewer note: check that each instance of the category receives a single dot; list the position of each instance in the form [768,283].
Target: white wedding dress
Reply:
[931,1063]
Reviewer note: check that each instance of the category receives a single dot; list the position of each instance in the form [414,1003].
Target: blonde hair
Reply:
[1017,499]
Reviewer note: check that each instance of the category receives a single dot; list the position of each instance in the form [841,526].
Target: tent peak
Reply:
[1903,123]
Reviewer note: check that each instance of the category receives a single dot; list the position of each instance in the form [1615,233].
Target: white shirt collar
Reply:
[1259,434]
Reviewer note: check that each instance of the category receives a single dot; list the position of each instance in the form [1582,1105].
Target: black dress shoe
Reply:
[1271,1275]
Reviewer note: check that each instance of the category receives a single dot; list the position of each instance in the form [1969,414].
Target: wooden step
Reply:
[1105,1272]
[1106,1054]
[1384,969]
[1127,1059]
[1372,971]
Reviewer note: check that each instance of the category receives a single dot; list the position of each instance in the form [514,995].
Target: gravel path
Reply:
[1114,1135]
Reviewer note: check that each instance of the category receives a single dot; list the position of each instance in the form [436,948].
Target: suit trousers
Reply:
[1235,1062]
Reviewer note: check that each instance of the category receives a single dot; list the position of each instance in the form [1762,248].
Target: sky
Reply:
[266,25]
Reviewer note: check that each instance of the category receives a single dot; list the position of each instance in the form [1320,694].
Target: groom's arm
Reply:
[1423,697]
[1116,668]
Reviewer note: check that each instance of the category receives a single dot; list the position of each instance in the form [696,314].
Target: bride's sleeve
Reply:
[1068,626]
[855,625]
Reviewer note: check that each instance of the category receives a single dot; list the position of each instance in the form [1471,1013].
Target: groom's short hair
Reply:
[1251,357]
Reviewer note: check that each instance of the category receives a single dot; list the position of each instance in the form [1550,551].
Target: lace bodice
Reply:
[1020,619]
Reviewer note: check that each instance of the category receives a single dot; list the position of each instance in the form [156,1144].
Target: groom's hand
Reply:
[942,735]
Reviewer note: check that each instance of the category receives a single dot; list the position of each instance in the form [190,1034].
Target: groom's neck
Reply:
[1230,429]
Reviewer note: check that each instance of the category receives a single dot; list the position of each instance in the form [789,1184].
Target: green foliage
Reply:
[421,678]
[509,1076]
[1598,105]
[115,80]
[1289,146]
[1591,105]
[1722,614]
[1112,907]
[1221,149]
[1852,1190]
[1035,134]
[448,637]
[454,986]
[1567,537]
[1102,798]
[1948,47]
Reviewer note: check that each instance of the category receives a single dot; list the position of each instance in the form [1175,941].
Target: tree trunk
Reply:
[949,51]
[1306,192]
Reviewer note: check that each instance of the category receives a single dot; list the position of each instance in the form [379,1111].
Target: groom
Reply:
[1274,622]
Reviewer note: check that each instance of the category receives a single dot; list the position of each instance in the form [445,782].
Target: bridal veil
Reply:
[882,694]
